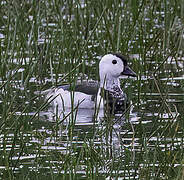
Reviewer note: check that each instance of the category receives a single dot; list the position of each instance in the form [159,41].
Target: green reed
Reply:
[60,40]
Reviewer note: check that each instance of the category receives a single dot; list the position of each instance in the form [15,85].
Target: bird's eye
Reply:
[114,61]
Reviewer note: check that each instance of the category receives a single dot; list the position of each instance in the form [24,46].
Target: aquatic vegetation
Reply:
[48,43]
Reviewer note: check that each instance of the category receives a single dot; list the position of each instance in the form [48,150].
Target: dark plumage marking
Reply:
[89,87]
[123,58]
[115,101]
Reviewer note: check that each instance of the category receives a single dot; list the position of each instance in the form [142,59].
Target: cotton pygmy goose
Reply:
[104,94]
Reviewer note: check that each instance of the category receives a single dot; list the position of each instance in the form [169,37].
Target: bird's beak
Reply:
[128,72]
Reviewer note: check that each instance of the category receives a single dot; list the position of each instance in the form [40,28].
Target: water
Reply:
[146,142]
[148,129]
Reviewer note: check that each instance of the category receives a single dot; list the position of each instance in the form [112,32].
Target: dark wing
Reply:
[87,87]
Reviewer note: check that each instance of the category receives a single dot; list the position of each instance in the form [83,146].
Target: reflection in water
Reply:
[105,131]
[79,116]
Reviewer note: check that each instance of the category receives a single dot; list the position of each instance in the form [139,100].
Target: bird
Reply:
[105,94]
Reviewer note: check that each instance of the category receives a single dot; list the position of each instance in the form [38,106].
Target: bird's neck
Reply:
[110,84]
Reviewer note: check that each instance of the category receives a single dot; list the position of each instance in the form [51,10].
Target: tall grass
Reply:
[46,43]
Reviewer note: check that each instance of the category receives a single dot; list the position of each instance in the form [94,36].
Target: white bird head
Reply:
[111,67]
